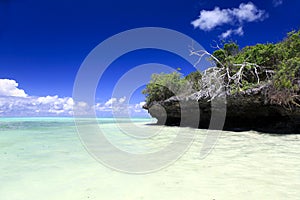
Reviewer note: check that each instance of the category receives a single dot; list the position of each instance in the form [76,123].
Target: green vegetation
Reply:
[163,86]
[280,60]
[277,65]
[193,79]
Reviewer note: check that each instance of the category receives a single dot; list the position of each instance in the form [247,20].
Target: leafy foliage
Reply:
[275,64]
[280,60]
[194,79]
[163,86]
[288,69]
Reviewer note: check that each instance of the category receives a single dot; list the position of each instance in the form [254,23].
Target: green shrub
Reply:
[278,64]
[163,86]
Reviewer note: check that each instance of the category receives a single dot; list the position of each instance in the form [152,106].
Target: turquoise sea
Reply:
[44,158]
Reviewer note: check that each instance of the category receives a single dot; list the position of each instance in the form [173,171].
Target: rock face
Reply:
[248,110]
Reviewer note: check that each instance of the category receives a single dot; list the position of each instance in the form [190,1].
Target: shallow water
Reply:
[43,158]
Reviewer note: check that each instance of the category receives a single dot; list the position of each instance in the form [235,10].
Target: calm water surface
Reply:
[43,158]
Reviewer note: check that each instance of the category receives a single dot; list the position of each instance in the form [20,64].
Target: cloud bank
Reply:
[120,107]
[15,102]
[245,13]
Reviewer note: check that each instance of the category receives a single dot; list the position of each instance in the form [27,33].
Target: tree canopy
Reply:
[276,64]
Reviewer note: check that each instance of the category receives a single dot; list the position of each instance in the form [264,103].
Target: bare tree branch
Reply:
[234,78]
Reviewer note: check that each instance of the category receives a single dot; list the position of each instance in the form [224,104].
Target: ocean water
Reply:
[44,158]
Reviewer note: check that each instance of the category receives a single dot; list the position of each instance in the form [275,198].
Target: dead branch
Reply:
[234,80]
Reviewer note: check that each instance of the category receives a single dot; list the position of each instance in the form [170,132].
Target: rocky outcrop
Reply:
[247,110]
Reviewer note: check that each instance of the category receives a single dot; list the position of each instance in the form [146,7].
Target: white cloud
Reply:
[277,3]
[32,106]
[15,102]
[120,108]
[36,106]
[239,31]
[69,104]
[139,107]
[122,100]
[248,13]
[10,88]
[209,20]
[110,102]
[228,33]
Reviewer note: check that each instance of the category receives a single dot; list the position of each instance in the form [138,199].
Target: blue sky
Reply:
[43,43]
